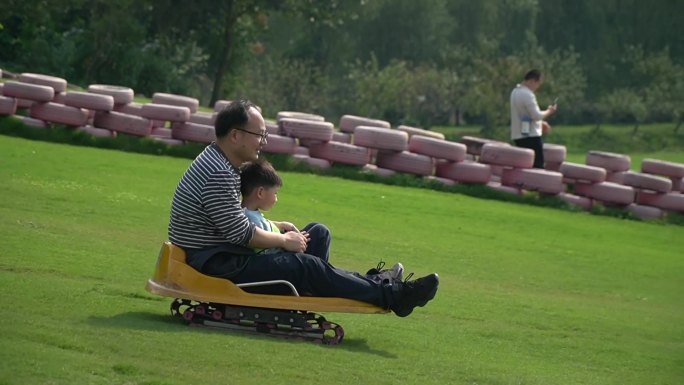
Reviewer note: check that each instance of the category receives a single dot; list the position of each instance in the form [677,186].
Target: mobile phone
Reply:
[555,101]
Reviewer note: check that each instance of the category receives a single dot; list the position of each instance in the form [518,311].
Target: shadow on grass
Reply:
[167,323]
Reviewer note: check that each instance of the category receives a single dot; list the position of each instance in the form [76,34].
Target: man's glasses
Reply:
[263,136]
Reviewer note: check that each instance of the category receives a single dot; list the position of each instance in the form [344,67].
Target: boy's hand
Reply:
[294,241]
[286,226]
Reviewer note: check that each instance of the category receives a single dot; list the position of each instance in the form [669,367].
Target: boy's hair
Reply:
[259,173]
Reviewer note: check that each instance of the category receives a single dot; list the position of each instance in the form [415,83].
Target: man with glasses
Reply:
[208,222]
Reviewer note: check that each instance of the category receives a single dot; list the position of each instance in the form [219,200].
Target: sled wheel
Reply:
[217,315]
[188,315]
[200,310]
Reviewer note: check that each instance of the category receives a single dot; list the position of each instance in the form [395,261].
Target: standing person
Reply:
[527,120]
[208,222]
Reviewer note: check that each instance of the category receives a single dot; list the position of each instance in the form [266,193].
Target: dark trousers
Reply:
[534,143]
[319,240]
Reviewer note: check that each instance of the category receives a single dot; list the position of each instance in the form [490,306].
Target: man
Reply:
[527,120]
[208,222]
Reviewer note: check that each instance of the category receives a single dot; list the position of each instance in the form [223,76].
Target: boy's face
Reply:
[267,197]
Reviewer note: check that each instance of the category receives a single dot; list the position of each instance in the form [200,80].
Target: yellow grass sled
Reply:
[216,302]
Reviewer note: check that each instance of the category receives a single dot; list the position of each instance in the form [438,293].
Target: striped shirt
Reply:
[206,205]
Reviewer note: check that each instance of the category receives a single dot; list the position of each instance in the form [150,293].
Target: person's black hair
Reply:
[533,74]
[235,115]
[259,173]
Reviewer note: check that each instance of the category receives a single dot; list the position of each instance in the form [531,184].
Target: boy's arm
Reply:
[290,241]
[285,226]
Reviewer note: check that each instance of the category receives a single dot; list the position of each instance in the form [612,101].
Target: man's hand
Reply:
[546,128]
[294,241]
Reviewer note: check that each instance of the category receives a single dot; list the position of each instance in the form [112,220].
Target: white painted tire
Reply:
[466,172]
[411,131]
[97,132]
[314,162]
[193,132]
[299,115]
[25,91]
[606,192]
[646,213]
[278,144]
[349,122]
[437,148]
[57,84]
[610,161]
[220,105]
[406,162]
[8,105]
[669,201]
[507,189]
[647,182]
[661,167]
[581,172]
[380,138]
[444,181]
[124,123]
[89,101]
[121,95]
[548,182]
[373,169]
[130,109]
[554,153]
[307,129]
[342,137]
[576,200]
[60,114]
[176,100]
[494,153]
[165,112]
[341,153]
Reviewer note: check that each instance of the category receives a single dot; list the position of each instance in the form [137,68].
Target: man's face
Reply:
[252,136]
[537,83]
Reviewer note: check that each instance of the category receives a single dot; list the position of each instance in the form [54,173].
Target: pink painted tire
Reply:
[8,106]
[548,182]
[59,98]
[57,84]
[610,161]
[466,172]
[299,115]
[130,109]
[272,128]
[193,132]
[348,123]
[474,144]
[25,91]
[121,95]
[581,172]
[314,162]
[307,129]
[380,138]
[124,123]
[89,101]
[437,148]
[646,213]
[58,113]
[165,112]
[176,100]
[278,144]
[677,184]
[554,153]
[444,181]
[206,118]
[493,153]
[616,177]
[647,182]
[37,123]
[299,150]
[341,153]
[606,192]
[411,131]
[342,137]
[405,161]
[220,105]
[661,167]
[373,169]
[162,132]
[669,201]
[576,200]
[507,189]
[97,132]
[552,166]
[168,141]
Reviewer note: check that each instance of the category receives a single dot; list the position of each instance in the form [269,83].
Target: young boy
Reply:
[259,185]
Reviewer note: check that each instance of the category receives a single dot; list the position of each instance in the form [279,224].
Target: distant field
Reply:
[528,295]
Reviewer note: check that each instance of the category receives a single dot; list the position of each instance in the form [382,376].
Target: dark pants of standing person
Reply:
[536,144]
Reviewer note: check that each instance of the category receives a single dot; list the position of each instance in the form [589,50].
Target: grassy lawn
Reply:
[528,295]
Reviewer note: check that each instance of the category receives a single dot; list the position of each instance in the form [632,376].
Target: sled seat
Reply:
[174,278]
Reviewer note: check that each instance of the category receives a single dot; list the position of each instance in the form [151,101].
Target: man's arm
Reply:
[290,241]
[533,110]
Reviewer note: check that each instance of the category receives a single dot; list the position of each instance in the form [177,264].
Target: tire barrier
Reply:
[97,132]
[206,118]
[221,104]
[299,115]
[165,112]
[645,212]
[380,138]
[59,113]
[437,148]
[608,192]
[615,177]
[507,189]
[37,123]
[299,150]
[584,173]
[120,122]
[647,182]
[88,100]
[57,84]
[544,181]
[271,127]
[373,169]
[278,144]
[176,100]
[576,200]
[342,137]
[8,105]
[349,122]
[504,155]
[612,162]
[162,132]
[444,181]
[307,129]
[341,153]
[193,132]
[314,162]
[411,131]
[552,166]
[661,167]
[121,95]
[465,172]
[474,144]
[669,201]
[554,153]
[130,108]
[28,92]
[405,161]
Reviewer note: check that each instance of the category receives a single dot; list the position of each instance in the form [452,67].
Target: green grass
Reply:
[528,295]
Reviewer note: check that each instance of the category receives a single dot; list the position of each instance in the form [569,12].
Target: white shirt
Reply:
[524,105]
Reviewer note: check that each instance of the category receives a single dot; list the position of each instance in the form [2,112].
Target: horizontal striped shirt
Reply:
[206,205]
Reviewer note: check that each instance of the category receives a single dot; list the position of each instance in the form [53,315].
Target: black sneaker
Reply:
[396,273]
[414,293]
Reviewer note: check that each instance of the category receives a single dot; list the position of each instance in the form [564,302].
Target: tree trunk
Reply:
[679,123]
[224,58]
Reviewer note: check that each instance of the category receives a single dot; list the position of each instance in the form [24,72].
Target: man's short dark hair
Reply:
[533,75]
[259,173]
[235,115]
